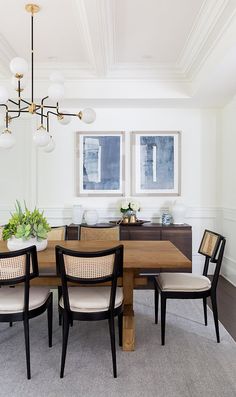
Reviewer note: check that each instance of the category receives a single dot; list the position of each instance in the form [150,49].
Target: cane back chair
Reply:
[191,286]
[18,300]
[93,302]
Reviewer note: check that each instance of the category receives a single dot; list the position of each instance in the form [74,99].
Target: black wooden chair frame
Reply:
[68,315]
[217,257]
[26,314]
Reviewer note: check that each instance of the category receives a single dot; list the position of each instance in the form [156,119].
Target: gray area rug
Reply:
[191,364]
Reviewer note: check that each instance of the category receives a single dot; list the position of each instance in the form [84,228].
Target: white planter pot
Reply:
[77,214]
[91,217]
[14,243]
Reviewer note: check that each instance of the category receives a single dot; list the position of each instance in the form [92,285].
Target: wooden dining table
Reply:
[139,257]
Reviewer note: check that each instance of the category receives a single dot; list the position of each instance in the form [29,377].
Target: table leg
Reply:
[128,316]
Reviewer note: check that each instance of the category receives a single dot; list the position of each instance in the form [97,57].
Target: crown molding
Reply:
[95,31]
[146,71]
[212,20]
[85,33]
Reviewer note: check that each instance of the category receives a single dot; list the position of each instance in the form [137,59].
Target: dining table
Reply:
[140,259]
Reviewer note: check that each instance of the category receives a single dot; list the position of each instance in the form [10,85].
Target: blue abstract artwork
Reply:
[100,163]
[156,163]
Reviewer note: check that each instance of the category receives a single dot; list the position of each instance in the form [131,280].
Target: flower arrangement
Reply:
[127,205]
[25,224]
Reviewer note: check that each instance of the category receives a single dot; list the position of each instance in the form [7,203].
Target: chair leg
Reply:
[49,316]
[163,318]
[65,333]
[59,290]
[10,324]
[27,347]
[120,328]
[215,315]
[205,309]
[113,345]
[156,304]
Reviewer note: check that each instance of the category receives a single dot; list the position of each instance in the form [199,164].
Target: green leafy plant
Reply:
[127,205]
[26,224]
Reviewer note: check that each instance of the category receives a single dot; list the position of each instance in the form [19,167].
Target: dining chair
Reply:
[191,286]
[18,300]
[93,302]
[99,233]
[57,233]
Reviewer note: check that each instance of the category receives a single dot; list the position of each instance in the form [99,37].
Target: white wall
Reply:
[228,190]
[15,168]
[48,180]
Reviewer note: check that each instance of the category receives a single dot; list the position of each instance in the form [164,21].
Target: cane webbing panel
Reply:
[12,267]
[209,243]
[57,233]
[89,267]
[100,233]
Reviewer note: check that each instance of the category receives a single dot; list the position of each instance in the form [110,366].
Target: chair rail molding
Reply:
[228,270]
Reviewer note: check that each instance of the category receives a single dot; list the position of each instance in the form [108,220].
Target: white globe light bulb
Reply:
[50,146]
[4,95]
[88,116]
[64,120]
[7,140]
[56,91]
[14,83]
[18,66]
[41,137]
[57,77]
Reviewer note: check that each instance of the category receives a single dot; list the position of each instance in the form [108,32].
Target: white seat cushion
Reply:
[91,299]
[12,299]
[183,282]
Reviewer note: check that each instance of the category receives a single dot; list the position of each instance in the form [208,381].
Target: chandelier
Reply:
[56,91]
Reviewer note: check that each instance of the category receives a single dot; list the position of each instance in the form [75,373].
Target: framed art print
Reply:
[100,163]
[156,163]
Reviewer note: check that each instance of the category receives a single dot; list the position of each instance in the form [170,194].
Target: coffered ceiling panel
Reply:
[130,49]
[153,30]
[57,31]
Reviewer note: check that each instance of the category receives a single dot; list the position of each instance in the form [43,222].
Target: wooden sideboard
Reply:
[179,235]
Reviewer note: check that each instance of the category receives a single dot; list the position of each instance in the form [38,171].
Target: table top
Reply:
[137,254]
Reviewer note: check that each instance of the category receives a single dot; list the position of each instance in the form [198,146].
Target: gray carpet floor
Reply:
[191,364]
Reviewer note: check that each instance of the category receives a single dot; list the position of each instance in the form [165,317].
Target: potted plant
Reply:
[26,228]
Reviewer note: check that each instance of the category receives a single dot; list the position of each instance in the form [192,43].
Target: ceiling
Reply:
[131,50]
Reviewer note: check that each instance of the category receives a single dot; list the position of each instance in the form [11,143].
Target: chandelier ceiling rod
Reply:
[19,67]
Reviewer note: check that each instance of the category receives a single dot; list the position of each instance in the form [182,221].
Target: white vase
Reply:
[178,213]
[91,217]
[77,214]
[14,244]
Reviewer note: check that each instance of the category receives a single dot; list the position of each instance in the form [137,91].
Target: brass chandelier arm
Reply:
[27,103]
[49,112]
[15,103]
